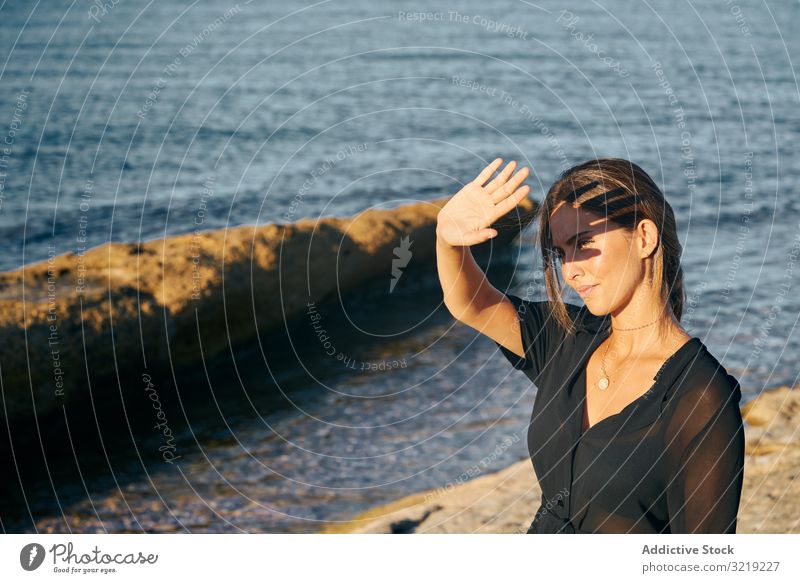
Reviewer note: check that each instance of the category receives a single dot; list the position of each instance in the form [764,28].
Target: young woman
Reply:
[635,425]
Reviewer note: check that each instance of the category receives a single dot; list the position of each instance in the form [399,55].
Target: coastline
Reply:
[123,310]
[504,502]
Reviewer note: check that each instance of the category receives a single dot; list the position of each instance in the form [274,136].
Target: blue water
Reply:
[127,125]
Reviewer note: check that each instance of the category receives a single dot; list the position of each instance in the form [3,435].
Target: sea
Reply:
[132,120]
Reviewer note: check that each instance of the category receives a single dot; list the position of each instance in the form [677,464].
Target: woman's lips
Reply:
[586,290]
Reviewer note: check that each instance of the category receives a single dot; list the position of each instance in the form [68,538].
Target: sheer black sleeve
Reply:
[704,439]
[539,331]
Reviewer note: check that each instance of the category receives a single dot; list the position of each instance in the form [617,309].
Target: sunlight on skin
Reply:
[606,255]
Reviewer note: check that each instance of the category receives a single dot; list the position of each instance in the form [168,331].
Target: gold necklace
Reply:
[603,383]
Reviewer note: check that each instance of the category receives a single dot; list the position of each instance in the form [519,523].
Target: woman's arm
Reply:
[462,222]
[705,447]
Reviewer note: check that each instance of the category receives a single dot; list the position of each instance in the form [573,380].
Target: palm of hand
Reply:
[466,217]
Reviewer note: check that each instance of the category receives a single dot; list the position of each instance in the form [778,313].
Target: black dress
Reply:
[671,461]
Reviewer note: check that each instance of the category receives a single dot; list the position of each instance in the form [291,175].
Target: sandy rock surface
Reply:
[119,308]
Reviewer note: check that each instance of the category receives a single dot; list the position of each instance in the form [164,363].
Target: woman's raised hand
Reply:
[465,219]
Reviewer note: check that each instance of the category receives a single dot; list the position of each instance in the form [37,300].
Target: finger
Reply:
[501,178]
[510,186]
[511,202]
[487,172]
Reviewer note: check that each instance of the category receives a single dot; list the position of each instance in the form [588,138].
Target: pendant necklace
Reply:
[603,383]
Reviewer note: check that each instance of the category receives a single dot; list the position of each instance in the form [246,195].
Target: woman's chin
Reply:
[594,307]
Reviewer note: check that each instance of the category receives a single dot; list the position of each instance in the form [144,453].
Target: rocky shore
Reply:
[505,502]
[122,310]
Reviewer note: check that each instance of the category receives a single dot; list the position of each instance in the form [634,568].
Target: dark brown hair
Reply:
[623,193]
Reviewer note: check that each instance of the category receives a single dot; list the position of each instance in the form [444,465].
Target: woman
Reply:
[635,426]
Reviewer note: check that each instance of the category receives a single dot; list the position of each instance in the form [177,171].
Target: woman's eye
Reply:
[560,255]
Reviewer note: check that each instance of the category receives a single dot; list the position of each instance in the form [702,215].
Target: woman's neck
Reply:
[660,336]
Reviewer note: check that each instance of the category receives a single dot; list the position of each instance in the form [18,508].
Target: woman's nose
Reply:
[571,268]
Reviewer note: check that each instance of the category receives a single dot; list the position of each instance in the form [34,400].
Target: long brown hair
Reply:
[623,193]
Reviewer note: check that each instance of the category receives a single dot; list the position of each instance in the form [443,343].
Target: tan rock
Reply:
[103,312]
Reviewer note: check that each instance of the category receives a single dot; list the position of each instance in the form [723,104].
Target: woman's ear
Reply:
[646,235]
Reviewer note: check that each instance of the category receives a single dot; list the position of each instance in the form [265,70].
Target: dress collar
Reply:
[645,409]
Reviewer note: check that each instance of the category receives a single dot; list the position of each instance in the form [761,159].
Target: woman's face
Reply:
[599,259]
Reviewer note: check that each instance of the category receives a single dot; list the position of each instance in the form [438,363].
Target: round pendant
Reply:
[603,384]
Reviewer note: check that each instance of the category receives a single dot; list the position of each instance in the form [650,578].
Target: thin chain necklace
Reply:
[603,383]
